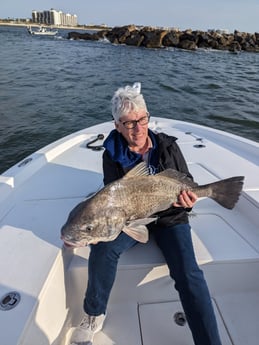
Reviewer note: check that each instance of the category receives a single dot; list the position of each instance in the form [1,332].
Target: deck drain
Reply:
[10,300]
[180,318]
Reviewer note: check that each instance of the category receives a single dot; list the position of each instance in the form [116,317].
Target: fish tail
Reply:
[226,192]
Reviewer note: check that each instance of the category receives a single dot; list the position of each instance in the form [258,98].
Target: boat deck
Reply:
[53,180]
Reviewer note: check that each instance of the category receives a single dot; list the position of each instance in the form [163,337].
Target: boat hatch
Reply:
[160,318]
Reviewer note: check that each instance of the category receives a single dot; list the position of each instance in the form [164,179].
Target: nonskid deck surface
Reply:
[60,176]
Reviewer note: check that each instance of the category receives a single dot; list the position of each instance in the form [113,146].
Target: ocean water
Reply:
[51,87]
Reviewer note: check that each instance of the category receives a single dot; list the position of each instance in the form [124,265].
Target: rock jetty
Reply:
[150,37]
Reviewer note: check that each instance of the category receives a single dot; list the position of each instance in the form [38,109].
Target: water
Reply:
[51,87]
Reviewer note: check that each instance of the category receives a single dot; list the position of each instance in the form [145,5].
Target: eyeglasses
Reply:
[132,124]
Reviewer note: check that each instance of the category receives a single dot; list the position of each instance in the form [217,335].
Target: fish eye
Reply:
[89,228]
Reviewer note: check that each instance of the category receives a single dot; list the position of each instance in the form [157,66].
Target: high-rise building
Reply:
[53,17]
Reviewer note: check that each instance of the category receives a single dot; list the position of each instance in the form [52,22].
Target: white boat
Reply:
[42,31]
[42,284]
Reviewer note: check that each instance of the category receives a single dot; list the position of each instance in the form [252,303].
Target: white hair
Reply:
[127,99]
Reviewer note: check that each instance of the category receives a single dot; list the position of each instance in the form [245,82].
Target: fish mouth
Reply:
[73,244]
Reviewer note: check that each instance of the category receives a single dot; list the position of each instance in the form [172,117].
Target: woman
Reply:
[127,145]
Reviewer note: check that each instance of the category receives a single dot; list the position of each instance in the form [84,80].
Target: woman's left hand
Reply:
[186,199]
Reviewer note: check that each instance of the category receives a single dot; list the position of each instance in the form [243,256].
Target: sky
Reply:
[242,15]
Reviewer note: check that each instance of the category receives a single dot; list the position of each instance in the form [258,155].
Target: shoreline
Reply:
[79,27]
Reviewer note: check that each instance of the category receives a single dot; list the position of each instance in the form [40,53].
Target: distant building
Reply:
[219,31]
[53,17]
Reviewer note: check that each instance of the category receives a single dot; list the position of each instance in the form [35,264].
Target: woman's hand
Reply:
[186,199]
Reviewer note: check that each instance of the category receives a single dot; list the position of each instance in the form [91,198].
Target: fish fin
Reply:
[141,221]
[139,170]
[139,233]
[226,192]
[177,175]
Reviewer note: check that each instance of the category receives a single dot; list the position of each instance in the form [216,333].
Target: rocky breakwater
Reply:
[150,37]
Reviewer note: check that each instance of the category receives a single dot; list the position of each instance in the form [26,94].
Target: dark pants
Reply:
[176,245]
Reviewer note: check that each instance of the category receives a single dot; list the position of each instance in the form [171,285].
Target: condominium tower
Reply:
[53,17]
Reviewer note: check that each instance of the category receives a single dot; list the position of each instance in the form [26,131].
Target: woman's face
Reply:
[137,136]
